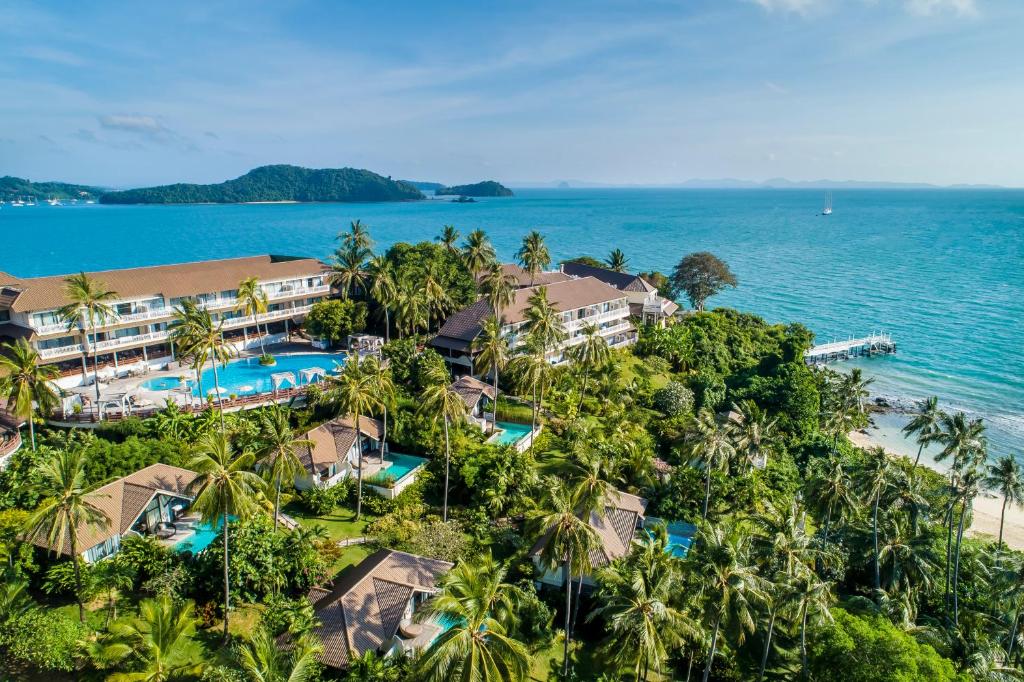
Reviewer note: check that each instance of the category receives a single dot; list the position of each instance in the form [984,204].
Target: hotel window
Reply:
[131,331]
[44,319]
[124,308]
[229,294]
[60,342]
[5,315]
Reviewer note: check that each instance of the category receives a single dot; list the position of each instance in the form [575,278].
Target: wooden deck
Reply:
[837,351]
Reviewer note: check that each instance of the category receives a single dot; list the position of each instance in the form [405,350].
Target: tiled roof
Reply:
[615,530]
[522,277]
[170,281]
[124,499]
[623,281]
[364,608]
[332,441]
[470,389]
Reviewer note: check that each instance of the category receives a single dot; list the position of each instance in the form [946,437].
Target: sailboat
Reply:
[827,210]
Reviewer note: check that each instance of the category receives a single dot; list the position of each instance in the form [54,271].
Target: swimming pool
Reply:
[680,535]
[247,376]
[200,540]
[399,466]
[510,433]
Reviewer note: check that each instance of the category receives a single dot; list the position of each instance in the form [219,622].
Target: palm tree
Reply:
[492,354]
[440,401]
[567,541]
[354,392]
[753,431]
[348,271]
[854,389]
[967,490]
[357,239]
[1006,478]
[449,238]
[907,491]
[278,459]
[545,326]
[26,383]
[200,338]
[592,352]
[251,300]
[711,448]
[811,598]
[617,261]
[478,252]
[382,381]
[66,511]
[224,487]
[155,645]
[435,294]
[533,255]
[263,660]
[88,307]
[410,308]
[382,288]
[475,596]
[924,425]
[113,577]
[876,477]
[832,489]
[776,601]
[732,586]
[497,286]
[531,369]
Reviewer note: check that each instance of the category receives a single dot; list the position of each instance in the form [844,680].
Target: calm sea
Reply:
[943,271]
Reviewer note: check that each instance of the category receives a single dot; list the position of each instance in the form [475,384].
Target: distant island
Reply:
[425,186]
[279,183]
[488,188]
[12,188]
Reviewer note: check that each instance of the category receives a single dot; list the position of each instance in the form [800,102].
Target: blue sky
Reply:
[125,94]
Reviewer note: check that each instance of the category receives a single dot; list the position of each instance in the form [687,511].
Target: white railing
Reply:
[299,291]
[267,317]
[613,314]
[53,327]
[48,353]
[129,340]
[148,315]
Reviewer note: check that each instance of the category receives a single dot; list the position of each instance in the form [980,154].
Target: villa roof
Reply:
[522,277]
[170,281]
[332,440]
[365,606]
[623,281]
[471,389]
[615,530]
[122,501]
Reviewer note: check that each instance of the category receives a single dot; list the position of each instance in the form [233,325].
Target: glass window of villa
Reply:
[178,300]
[130,331]
[59,342]
[124,308]
[47,318]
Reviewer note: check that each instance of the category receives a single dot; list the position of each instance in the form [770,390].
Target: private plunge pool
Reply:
[201,538]
[509,433]
[680,535]
[248,377]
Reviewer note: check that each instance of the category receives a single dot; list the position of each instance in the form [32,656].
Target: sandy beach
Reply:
[987,507]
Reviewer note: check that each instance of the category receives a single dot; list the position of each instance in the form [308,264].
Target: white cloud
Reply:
[930,7]
[797,6]
[133,123]
[776,88]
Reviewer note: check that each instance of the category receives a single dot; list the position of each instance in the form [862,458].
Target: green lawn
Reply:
[632,367]
[341,524]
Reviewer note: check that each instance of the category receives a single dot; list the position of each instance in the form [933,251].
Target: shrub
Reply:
[146,556]
[322,501]
[674,399]
[335,319]
[40,640]
[708,390]
[376,504]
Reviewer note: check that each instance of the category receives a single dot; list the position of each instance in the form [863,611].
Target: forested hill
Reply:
[488,188]
[277,183]
[12,188]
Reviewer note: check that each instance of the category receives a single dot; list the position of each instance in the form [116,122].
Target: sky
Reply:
[132,94]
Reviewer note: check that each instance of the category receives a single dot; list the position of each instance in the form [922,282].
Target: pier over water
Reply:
[876,344]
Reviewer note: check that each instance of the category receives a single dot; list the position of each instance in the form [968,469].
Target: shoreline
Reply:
[987,507]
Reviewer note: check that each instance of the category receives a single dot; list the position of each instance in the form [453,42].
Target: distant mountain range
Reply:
[13,188]
[773,183]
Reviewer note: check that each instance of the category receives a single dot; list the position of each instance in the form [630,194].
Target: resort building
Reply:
[623,516]
[152,501]
[520,278]
[372,607]
[480,399]
[10,437]
[644,302]
[581,301]
[146,299]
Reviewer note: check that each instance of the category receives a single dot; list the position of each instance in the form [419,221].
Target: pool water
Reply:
[200,540]
[680,536]
[399,466]
[248,377]
[510,433]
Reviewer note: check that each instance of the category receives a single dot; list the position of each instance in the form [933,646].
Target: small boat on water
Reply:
[827,210]
[17,201]
[53,201]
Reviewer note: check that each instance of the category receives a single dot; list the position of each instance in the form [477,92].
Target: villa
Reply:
[623,516]
[135,338]
[373,607]
[520,278]
[479,397]
[644,302]
[581,301]
[152,501]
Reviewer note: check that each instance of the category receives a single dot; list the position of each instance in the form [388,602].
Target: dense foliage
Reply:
[13,188]
[487,188]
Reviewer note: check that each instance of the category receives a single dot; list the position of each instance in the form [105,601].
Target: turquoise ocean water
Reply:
[943,271]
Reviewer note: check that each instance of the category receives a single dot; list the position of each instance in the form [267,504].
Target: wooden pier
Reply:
[876,344]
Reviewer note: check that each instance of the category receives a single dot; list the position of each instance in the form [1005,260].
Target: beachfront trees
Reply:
[440,401]
[492,354]
[1005,477]
[410,308]
[591,353]
[545,327]
[278,458]
[478,253]
[252,300]
[437,301]
[533,255]
[497,286]
[753,433]
[925,425]
[25,383]
[700,276]
[263,660]
[617,261]
[711,447]
[154,646]
[449,239]
[966,491]
[88,306]
[381,379]
[381,281]
[198,337]
[348,271]
[530,369]
[224,487]
[875,479]
[357,239]
[66,510]
[811,598]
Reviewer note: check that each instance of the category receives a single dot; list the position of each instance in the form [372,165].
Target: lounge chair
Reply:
[165,530]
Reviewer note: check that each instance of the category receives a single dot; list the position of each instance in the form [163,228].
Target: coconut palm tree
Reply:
[753,432]
[810,597]
[732,587]
[381,279]
[1005,477]
[545,326]
[354,392]
[477,252]
[278,458]
[155,645]
[907,492]
[567,541]
[967,490]
[449,239]
[88,306]
[410,308]
[875,480]
[262,660]
[200,338]
[441,402]
[617,261]
[113,577]
[251,300]
[775,601]
[854,389]
[25,383]
[492,354]
[382,381]
[348,271]
[435,294]
[498,287]
[908,558]
[67,510]
[925,425]
[475,596]
[592,352]
[223,487]
[357,239]
[782,539]
[531,369]
[831,487]
[533,255]
[711,447]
